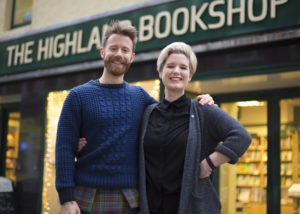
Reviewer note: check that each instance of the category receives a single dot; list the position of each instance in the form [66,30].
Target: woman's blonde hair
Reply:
[177,47]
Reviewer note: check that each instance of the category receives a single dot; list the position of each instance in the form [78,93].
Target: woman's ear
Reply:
[190,78]
[159,74]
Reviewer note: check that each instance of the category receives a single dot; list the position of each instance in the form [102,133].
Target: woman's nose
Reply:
[176,69]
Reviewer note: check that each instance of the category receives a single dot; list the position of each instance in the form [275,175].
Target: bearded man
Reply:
[107,112]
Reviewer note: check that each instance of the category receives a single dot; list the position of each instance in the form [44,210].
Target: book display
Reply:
[12,145]
[251,179]
[251,172]
[290,166]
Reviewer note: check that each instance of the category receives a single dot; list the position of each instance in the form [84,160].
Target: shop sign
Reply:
[191,21]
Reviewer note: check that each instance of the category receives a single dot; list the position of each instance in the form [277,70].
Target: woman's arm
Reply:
[221,127]
[217,159]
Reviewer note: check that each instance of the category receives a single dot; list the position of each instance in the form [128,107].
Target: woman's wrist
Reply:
[210,163]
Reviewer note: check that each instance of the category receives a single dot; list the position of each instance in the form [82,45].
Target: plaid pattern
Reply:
[95,201]
[132,197]
[85,197]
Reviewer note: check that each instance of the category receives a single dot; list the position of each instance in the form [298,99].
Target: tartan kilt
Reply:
[110,201]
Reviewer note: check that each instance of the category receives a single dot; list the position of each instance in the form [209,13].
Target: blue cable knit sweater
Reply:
[108,116]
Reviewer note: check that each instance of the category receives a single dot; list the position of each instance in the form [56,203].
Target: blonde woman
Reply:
[179,143]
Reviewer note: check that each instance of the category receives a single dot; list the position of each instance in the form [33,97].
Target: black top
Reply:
[165,145]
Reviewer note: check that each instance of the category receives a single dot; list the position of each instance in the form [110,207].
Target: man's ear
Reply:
[132,57]
[102,53]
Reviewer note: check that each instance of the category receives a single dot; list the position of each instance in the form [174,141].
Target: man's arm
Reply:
[68,133]
[70,207]
[204,99]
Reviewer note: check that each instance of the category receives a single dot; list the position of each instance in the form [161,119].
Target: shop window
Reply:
[243,187]
[12,145]
[289,150]
[151,86]
[55,101]
[21,13]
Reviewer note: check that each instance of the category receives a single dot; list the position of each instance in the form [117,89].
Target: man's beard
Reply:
[115,69]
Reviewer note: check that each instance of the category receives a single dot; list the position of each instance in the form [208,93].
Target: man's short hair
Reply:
[117,27]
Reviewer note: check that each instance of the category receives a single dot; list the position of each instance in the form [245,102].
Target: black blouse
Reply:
[165,145]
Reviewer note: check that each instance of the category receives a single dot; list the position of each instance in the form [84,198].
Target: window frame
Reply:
[12,24]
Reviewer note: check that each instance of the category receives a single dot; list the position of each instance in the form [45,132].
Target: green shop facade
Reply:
[249,60]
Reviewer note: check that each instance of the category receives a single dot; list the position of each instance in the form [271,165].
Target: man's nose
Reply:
[119,52]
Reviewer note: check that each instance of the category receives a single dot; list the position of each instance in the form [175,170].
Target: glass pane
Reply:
[290,152]
[151,86]
[22,12]
[12,145]
[50,202]
[243,185]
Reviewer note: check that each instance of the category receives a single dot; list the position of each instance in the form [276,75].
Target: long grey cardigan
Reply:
[208,126]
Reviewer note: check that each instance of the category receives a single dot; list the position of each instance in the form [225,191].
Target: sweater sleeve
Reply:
[68,133]
[225,128]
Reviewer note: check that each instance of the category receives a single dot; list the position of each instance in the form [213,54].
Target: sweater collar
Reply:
[97,83]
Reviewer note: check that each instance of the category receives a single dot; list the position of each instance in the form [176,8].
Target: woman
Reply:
[179,143]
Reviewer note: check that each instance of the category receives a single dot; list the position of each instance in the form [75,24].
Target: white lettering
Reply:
[94,39]
[185,26]
[196,17]
[274,4]
[58,50]
[70,43]
[104,27]
[218,14]
[19,54]
[10,50]
[263,14]
[166,32]
[43,49]
[51,47]
[146,28]
[231,11]
[28,52]
[79,43]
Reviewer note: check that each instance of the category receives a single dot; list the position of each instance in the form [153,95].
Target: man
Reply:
[107,112]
